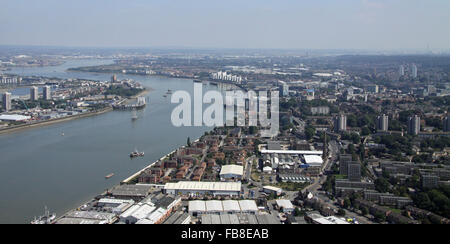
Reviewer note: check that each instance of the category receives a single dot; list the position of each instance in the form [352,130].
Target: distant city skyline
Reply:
[265,24]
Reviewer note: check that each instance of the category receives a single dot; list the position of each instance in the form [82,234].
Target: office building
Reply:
[47,94]
[6,101]
[414,125]
[34,93]
[383,123]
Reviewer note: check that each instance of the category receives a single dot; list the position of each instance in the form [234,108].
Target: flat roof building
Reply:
[313,160]
[135,192]
[271,189]
[285,205]
[13,117]
[331,220]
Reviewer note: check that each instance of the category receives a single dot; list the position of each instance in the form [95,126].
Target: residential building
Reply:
[6,101]
[354,171]
[34,93]
[414,125]
[340,123]
[47,93]
[383,123]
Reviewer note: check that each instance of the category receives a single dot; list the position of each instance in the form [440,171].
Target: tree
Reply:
[364,211]
[382,185]
[310,132]
[341,212]
[380,217]
[347,203]
[297,212]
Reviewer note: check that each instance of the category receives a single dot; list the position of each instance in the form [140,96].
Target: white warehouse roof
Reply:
[204,186]
[14,117]
[248,206]
[286,204]
[273,188]
[197,206]
[331,220]
[232,170]
[291,152]
[313,159]
[214,206]
[222,206]
[231,206]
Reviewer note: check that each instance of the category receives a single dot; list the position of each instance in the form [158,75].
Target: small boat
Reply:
[197,81]
[62,134]
[169,91]
[164,95]
[136,154]
[109,176]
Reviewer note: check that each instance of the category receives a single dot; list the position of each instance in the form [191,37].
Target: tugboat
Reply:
[45,219]
[136,154]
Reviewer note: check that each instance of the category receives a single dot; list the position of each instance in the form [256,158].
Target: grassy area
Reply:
[394,210]
[340,177]
[256,177]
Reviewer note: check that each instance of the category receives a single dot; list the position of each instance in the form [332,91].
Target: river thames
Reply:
[40,167]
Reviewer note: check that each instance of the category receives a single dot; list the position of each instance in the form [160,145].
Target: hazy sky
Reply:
[318,24]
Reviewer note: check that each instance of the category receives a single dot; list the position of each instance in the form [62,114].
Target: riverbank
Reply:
[129,180]
[52,121]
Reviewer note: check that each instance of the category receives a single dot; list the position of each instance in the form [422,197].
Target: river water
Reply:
[40,167]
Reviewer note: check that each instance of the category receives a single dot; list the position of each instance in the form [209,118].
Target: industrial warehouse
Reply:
[193,188]
[229,212]
[219,207]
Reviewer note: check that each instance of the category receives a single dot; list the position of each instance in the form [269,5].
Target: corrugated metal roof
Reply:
[204,186]
[214,206]
[232,169]
[292,152]
[248,205]
[231,206]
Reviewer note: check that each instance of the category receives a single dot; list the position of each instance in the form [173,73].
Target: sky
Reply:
[286,24]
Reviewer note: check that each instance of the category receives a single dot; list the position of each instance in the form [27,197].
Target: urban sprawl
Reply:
[363,139]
